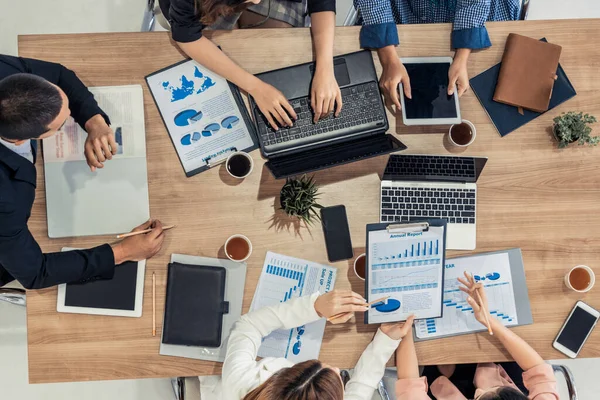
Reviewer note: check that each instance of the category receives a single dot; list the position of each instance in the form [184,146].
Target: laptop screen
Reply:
[433,168]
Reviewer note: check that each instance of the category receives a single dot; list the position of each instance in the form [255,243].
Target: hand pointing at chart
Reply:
[344,302]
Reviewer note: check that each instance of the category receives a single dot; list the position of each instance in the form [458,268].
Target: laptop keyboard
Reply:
[431,166]
[403,204]
[362,109]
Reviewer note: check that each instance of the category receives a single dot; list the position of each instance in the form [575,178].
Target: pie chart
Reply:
[230,122]
[187,117]
[494,276]
[186,140]
[211,129]
[392,305]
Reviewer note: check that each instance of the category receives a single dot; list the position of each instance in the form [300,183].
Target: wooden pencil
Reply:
[126,235]
[336,316]
[153,304]
[485,312]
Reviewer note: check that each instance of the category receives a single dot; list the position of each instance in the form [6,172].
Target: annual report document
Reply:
[201,113]
[407,267]
[284,278]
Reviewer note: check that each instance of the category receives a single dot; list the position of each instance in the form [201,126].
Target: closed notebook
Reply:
[195,305]
[528,72]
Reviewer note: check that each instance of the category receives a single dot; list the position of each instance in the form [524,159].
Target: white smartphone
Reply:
[576,330]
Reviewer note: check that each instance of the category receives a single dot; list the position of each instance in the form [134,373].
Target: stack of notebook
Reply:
[527,83]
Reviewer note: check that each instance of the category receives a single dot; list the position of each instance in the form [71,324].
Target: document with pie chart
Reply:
[408,268]
[203,113]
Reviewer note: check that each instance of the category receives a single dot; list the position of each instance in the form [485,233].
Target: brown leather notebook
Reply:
[527,73]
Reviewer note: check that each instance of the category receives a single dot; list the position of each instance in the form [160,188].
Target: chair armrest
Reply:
[568,378]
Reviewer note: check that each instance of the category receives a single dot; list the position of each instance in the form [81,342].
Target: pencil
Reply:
[336,316]
[153,304]
[126,235]
[485,312]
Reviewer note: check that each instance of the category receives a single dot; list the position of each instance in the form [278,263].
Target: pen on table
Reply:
[485,312]
[153,304]
[336,316]
[126,235]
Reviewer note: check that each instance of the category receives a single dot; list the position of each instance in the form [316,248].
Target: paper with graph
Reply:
[408,267]
[284,278]
[494,272]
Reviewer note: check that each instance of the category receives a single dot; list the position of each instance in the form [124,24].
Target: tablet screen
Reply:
[429,87]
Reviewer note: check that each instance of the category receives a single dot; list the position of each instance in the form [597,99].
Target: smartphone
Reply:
[576,329]
[337,233]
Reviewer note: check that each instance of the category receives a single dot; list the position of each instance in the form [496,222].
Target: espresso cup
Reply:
[361,262]
[580,273]
[459,136]
[238,248]
[239,164]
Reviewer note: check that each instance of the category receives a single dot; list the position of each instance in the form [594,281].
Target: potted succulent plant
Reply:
[298,198]
[572,127]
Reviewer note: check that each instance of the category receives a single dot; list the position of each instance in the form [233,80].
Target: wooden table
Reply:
[531,195]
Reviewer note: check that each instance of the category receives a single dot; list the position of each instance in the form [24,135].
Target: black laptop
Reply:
[359,131]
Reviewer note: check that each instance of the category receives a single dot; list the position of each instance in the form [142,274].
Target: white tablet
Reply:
[121,296]
[430,103]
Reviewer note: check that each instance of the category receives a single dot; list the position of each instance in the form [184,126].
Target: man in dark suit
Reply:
[36,99]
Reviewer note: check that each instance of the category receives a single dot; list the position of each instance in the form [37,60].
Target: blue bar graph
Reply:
[290,274]
[417,253]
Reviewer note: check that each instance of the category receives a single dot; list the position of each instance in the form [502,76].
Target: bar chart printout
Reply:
[493,271]
[284,278]
[408,267]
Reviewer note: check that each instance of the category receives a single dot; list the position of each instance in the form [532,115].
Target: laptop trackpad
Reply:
[340,69]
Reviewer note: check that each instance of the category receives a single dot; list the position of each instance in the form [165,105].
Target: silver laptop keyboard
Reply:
[403,204]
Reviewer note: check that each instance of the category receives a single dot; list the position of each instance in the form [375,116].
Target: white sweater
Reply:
[242,373]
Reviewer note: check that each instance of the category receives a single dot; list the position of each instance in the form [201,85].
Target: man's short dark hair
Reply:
[28,104]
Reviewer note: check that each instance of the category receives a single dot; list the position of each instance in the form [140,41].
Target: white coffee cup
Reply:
[363,255]
[589,271]
[239,153]
[228,253]
[473,134]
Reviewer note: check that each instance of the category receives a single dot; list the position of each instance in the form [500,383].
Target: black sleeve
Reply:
[81,101]
[315,6]
[184,19]
[22,257]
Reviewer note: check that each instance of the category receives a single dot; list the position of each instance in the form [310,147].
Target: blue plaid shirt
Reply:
[468,16]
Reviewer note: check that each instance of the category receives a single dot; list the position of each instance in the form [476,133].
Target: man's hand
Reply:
[393,74]
[458,76]
[398,330]
[325,94]
[100,144]
[142,246]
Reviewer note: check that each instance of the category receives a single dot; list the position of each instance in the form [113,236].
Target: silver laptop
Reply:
[427,186]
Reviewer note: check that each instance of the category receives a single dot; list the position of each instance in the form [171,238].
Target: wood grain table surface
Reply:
[531,195]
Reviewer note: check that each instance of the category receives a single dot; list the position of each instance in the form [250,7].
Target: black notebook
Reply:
[507,118]
[117,293]
[195,305]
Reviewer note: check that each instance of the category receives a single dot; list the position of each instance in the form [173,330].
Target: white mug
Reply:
[241,237]
[589,271]
[473,134]
[363,255]
[243,153]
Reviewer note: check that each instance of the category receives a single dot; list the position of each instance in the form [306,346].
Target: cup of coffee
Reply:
[239,164]
[360,266]
[463,134]
[580,279]
[238,248]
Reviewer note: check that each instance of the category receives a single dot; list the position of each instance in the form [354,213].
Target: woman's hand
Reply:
[344,302]
[325,94]
[273,104]
[470,287]
[458,76]
[398,330]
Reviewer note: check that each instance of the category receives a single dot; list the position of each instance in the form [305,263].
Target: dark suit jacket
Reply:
[20,256]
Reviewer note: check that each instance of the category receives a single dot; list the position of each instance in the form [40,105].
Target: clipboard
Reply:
[418,247]
[219,155]
[520,292]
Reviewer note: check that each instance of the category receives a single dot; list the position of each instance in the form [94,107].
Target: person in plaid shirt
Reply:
[379,32]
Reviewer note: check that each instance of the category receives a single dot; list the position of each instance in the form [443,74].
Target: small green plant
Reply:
[298,198]
[571,127]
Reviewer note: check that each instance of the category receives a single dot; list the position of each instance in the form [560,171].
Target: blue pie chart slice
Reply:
[187,117]
[186,140]
[230,122]
[196,136]
[212,128]
[494,276]
[391,306]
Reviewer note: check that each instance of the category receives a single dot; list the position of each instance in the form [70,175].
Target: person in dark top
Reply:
[36,98]
[188,18]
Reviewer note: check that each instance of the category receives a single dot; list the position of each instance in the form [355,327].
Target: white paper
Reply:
[200,113]
[126,115]
[408,268]
[283,278]
[493,271]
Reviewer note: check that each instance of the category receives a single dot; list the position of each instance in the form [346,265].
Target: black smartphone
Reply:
[337,233]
